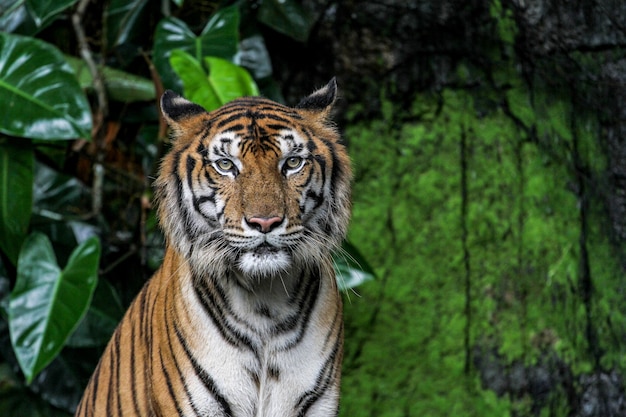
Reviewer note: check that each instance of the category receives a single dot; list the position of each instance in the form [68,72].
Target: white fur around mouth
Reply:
[264,260]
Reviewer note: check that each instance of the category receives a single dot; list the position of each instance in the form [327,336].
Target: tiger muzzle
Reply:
[264,224]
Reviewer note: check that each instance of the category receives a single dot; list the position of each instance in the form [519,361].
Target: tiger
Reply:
[244,316]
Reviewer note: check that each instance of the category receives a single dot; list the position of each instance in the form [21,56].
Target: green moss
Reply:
[406,350]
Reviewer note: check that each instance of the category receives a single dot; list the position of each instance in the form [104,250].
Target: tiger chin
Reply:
[244,317]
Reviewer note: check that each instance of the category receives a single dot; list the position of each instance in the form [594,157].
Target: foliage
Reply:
[75,133]
[218,38]
[224,82]
[36,77]
[47,303]
[16,178]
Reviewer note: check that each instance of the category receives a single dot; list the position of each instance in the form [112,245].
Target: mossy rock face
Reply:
[482,241]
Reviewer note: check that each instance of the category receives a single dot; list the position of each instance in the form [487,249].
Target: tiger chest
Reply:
[246,359]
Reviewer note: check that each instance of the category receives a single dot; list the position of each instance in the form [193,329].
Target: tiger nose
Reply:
[264,224]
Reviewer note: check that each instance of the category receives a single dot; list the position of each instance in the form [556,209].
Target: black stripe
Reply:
[306,299]
[336,322]
[196,205]
[114,378]
[337,172]
[321,161]
[144,317]
[309,178]
[259,104]
[203,375]
[230,119]
[201,149]
[215,308]
[305,308]
[234,128]
[209,179]
[292,320]
[95,379]
[186,218]
[276,126]
[118,348]
[322,383]
[273,117]
[169,385]
[204,199]
[317,198]
[168,333]
[133,365]
[189,167]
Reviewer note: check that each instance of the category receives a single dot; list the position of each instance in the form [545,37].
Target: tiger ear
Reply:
[175,108]
[322,100]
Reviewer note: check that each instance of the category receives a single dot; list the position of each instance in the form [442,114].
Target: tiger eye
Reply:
[225,164]
[293,162]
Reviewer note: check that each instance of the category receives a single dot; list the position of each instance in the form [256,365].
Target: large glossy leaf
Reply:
[351,267]
[287,17]
[13,15]
[120,85]
[47,303]
[218,38]
[59,201]
[123,19]
[103,316]
[58,195]
[43,11]
[225,81]
[39,93]
[16,196]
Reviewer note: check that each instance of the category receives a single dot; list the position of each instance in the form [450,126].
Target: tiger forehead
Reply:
[254,110]
[257,125]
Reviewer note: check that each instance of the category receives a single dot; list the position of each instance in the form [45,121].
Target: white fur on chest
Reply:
[269,377]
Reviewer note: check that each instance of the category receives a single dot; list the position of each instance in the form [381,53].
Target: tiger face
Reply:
[255,187]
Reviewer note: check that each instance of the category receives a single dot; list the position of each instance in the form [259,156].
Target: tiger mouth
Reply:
[265,249]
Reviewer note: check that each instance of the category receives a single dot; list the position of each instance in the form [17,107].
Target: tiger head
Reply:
[254,187]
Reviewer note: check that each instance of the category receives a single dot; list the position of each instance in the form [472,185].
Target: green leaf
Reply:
[57,195]
[59,201]
[287,17]
[47,303]
[225,82]
[13,15]
[123,19]
[16,194]
[221,34]
[40,96]
[120,85]
[43,11]
[101,319]
[219,38]
[351,267]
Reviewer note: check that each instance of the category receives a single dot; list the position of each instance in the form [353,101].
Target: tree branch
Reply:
[102,106]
